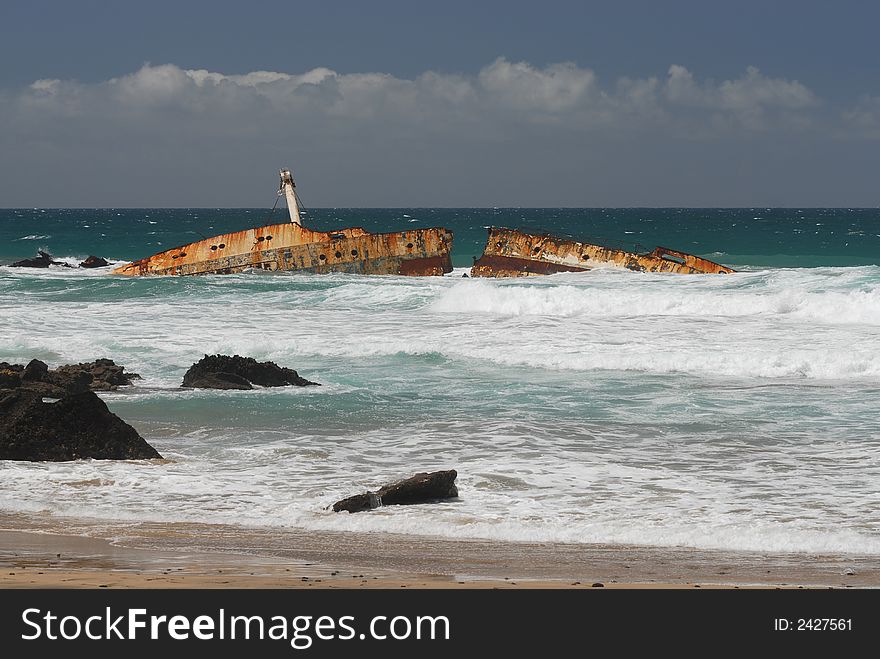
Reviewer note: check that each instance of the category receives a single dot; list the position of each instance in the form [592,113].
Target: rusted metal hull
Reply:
[512,253]
[288,246]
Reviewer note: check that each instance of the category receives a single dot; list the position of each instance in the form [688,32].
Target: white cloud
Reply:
[864,119]
[750,92]
[756,90]
[46,86]
[511,125]
[502,91]
[751,101]
[556,88]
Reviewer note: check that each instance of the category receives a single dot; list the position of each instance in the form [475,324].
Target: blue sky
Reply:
[469,103]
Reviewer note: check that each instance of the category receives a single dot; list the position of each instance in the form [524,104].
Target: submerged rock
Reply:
[422,488]
[94,262]
[78,426]
[225,372]
[41,260]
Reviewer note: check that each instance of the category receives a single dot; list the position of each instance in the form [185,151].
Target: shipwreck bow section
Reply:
[291,246]
[513,253]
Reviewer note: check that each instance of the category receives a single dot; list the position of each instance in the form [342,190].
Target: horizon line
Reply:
[323,208]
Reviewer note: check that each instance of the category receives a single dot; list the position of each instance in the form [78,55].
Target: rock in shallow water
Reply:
[94,262]
[41,260]
[106,375]
[44,260]
[218,381]
[225,372]
[76,427]
[99,375]
[422,488]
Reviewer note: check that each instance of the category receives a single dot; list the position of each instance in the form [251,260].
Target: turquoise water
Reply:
[735,412]
[754,236]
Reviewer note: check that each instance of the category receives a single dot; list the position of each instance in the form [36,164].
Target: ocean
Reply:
[731,412]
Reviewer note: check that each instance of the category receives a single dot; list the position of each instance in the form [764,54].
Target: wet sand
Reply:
[52,553]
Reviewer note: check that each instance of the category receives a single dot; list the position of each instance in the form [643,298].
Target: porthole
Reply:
[354,252]
[338,255]
[322,257]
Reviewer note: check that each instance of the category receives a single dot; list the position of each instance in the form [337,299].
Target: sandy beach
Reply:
[214,556]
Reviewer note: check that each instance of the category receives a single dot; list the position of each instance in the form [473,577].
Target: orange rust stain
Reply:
[512,253]
[291,247]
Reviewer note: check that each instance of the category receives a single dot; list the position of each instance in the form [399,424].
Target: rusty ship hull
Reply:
[513,253]
[291,246]
[288,246]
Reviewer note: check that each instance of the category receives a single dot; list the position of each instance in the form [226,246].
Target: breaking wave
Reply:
[663,298]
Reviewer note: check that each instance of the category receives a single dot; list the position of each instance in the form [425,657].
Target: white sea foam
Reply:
[566,502]
[729,412]
[663,298]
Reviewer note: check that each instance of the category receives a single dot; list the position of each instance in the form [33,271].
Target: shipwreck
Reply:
[291,246]
[513,253]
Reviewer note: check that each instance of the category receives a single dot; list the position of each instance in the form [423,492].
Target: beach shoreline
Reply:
[36,552]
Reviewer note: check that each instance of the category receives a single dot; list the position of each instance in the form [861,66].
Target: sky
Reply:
[391,103]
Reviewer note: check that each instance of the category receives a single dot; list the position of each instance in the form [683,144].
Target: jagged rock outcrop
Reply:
[218,381]
[44,260]
[106,375]
[94,262]
[9,378]
[41,260]
[225,372]
[78,426]
[36,376]
[422,488]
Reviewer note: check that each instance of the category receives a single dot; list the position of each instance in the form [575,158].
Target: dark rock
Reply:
[15,376]
[70,381]
[219,381]
[42,260]
[358,503]
[94,262]
[9,379]
[76,427]
[46,389]
[33,377]
[99,375]
[226,369]
[421,488]
[35,371]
